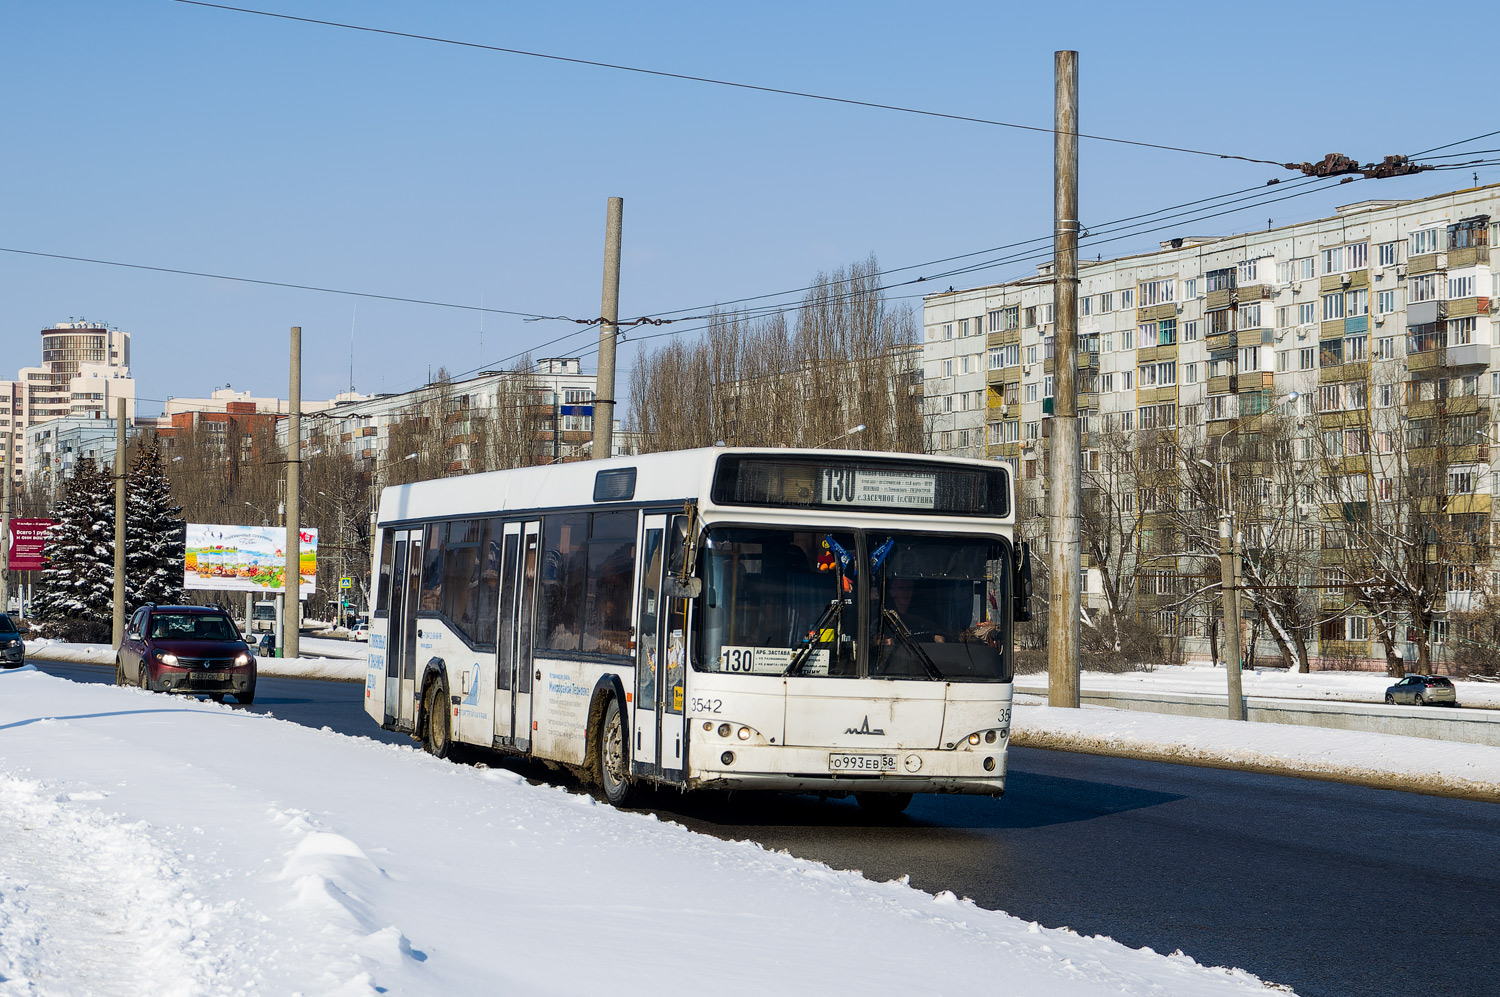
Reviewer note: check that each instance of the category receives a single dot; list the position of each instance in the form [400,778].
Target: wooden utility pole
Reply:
[609,311]
[118,633]
[1063,550]
[291,646]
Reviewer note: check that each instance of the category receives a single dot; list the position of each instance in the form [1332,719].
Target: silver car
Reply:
[1422,690]
[12,647]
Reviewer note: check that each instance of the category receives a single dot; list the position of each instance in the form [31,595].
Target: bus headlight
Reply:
[973,738]
[744,733]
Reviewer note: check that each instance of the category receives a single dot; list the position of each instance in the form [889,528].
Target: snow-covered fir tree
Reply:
[79,579]
[153,532]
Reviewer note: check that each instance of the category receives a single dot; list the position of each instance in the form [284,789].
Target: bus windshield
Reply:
[850,604]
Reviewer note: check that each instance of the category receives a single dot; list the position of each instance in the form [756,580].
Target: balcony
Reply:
[1222,384]
[1215,300]
[1426,263]
[1469,256]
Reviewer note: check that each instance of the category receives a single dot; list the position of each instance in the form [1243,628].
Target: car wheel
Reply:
[143,679]
[247,697]
[1419,701]
[217,697]
[883,804]
[119,671]
[1390,700]
[612,759]
[437,737]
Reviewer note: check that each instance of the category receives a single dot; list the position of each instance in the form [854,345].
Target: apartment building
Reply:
[558,417]
[85,370]
[1365,338]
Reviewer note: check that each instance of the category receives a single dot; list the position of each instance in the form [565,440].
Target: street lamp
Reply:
[1229,566]
[264,519]
[848,432]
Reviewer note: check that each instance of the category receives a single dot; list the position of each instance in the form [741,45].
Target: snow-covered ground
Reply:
[1353,687]
[160,845]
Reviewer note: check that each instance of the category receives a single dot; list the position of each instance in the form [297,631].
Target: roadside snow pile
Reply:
[1204,680]
[345,662]
[1388,761]
[162,845]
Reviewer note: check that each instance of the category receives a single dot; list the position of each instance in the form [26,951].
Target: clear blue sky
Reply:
[170,135]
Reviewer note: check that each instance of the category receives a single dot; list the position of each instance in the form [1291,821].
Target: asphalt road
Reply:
[1330,889]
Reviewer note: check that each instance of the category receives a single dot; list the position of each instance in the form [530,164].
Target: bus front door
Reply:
[506,634]
[648,646]
[401,640]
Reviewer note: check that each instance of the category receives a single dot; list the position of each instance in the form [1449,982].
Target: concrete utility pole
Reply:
[1064,561]
[5,525]
[291,646]
[118,633]
[609,310]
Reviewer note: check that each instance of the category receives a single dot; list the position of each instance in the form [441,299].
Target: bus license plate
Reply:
[861,763]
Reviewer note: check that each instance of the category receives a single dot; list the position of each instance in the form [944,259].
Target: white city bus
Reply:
[805,620]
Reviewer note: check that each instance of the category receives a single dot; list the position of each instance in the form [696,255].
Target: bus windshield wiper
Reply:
[898,625]
[830,613]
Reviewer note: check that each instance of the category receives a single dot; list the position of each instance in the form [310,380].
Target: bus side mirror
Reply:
[675,588]
[677,584]
[1021,587]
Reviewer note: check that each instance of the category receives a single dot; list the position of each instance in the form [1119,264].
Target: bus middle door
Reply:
[505,635]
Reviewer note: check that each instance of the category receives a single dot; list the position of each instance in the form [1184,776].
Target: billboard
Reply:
[27,537]
[246,559]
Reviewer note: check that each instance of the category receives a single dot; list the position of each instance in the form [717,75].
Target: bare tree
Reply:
[850,361]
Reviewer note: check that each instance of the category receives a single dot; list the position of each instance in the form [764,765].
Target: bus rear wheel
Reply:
[437,737]
[883,804]
[612,758]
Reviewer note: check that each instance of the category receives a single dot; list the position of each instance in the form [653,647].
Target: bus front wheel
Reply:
[613,761]
[436,734]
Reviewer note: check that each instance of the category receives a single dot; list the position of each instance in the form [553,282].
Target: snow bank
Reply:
[1351,687]
[1387,761]
[157,845]
[344,662]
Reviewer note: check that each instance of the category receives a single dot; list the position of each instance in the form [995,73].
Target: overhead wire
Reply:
[719,82]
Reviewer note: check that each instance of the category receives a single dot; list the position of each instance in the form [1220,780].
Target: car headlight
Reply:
[242,659]
[166,657]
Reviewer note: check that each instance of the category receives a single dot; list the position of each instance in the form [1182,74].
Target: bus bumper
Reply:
[975,770]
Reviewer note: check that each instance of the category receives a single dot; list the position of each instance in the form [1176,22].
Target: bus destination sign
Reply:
[882,489]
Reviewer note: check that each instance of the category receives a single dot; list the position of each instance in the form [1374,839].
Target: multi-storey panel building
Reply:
[1357,348]
[85,369]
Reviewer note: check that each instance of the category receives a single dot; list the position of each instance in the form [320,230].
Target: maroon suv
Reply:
[192,649]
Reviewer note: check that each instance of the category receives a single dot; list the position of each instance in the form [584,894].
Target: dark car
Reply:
[12,647]
[1423,689]
[191,649]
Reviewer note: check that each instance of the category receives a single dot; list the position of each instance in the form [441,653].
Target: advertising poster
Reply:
[27,537]
[246,559]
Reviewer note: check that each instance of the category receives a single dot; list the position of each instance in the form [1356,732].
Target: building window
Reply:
[1423,241]
[1106,302]
[1248,271]
[1390,253]
[1190,289]
[1307,313]
[1189,373]
[1385,302]
[1250,315]
[1156,292]
[1385,348]
[1012,318]
[1461,287]
[1127,298]
[1423,288]
[1190,332]
[1333,306]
